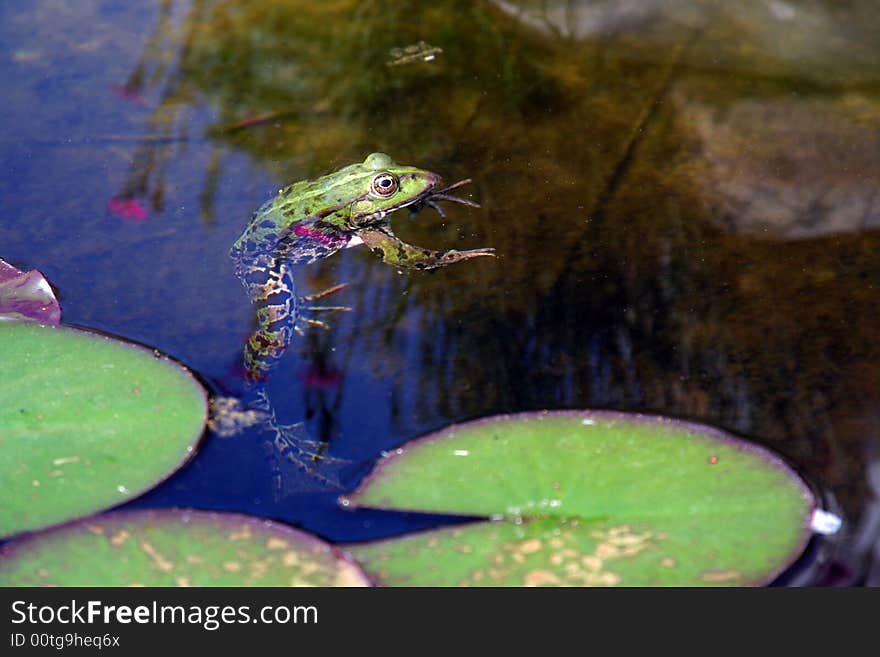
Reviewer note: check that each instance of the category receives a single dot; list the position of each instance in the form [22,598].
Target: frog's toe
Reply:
[307,309]
[287,482]
[316,322]
[474,253]
[450,257]
[324,293]
[291,449]
[306,318]
[324,309]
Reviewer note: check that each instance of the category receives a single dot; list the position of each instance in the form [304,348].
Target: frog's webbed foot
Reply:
[396,252]
[307,310]
[289,446]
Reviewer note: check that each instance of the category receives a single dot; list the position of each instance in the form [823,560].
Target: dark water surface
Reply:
[684,198]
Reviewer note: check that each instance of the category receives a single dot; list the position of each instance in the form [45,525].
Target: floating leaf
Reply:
[27,296]
[175,548]
[86,422]
[587,498]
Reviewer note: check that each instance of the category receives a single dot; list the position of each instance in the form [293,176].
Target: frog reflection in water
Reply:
[311,220]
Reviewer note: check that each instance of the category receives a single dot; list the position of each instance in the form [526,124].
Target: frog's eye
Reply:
[384,185]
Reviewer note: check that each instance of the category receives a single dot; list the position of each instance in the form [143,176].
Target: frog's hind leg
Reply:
[273,292]
[279,314]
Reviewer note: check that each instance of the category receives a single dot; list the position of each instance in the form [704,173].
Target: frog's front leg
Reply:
[400,254]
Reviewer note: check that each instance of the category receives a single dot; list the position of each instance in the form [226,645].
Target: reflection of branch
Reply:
[816,211]
[152,52]
[152,154]
[249,122]
[142,140]
[548,24]
[212,179]
[461,132]
[640,127]
[869,206]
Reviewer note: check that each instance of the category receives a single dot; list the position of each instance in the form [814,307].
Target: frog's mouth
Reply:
[431,197]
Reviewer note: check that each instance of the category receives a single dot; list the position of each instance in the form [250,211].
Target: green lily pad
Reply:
[587,498]
[173,547]
[87,422]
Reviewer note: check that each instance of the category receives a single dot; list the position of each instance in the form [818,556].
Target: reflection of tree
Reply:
[306,83]
[159,67]
[614,284]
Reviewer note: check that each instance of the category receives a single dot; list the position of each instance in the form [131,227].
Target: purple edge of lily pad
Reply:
[771,458]
[42,307]
[192,446]
[120,519]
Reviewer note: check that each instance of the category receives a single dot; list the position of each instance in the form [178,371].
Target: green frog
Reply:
[311,220]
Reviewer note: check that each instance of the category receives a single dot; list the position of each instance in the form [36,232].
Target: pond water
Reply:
[684,198]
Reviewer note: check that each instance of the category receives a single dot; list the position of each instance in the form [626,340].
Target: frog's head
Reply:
[384,187]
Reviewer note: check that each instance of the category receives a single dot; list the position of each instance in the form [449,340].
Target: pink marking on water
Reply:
[321,380]
[122,91]
[128,209]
